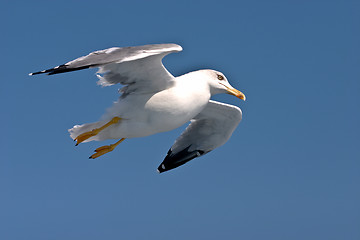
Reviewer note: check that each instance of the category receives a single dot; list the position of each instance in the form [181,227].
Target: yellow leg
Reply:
[82,137]
[105,149]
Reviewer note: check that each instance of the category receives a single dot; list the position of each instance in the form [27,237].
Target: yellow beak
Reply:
[236,93]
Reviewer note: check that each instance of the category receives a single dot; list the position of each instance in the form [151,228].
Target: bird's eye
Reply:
[220,77]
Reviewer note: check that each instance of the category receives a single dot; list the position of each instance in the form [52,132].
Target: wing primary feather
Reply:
[172,161]
[210,129]
[62,69]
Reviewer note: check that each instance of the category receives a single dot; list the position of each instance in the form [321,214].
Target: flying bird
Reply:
[153,101]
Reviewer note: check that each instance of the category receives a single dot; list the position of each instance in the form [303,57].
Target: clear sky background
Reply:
[290,171]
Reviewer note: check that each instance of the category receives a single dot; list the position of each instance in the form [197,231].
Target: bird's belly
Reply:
[161,113]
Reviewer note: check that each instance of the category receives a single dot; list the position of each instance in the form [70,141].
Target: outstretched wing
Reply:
[207,131]
[140,68]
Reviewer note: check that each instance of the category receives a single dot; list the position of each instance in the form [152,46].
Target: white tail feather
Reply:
[87,127]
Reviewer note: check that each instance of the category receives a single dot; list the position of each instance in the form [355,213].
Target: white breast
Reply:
[162,111]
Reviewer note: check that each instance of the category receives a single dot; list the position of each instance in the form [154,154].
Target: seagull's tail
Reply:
[87,127]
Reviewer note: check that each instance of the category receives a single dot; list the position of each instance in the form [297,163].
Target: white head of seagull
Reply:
[221,83]
[217,82]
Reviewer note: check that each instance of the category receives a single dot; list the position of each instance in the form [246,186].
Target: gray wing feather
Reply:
[208,130]
[140,66]
[125,54]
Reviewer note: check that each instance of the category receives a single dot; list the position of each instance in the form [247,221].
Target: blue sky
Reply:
[290,170]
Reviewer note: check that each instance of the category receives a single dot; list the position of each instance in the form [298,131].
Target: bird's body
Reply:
[144,114]
[154,101]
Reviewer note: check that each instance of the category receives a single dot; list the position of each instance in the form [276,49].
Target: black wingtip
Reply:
[36,73]
[61,69]
[48,71]
[172,161]
[162,168]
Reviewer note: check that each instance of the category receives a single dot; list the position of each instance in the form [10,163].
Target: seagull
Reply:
[152,100]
